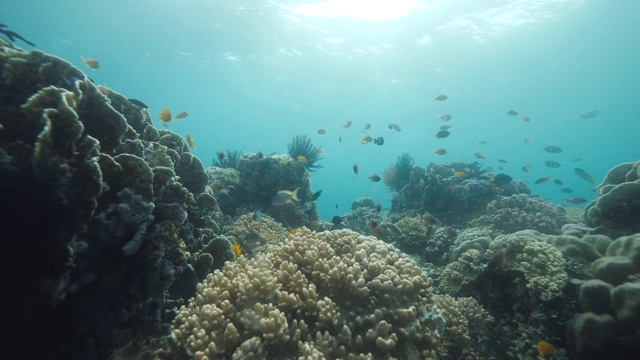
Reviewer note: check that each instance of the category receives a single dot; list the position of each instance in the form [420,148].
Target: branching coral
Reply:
[301,146]
[333,294]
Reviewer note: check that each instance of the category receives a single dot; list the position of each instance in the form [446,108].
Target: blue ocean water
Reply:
[254,74]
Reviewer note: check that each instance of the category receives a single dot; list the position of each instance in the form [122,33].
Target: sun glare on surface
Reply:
[363,9]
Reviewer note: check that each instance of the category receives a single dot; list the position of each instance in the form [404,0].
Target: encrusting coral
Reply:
[333,294]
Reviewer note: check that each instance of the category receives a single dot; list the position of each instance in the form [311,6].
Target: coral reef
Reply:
[520,212]
[104,209]
[458,191]
[301,150]
[615,211]
[251,234]
[330,294]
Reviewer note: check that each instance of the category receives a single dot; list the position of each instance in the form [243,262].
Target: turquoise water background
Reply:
[254,74]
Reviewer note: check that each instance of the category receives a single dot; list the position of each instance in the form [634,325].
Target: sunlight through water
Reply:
[363,9]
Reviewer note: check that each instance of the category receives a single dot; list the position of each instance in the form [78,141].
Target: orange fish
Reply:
[303,160]
[91,63]
[181,115]
[440,151]
[479,155]
[498,260]
[459,174]
[192,144]
[237,249]
[544,348]
[321,131]
[165,115]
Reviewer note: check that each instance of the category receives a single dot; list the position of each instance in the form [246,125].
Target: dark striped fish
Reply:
[585,176]
[552,164]
[552,149]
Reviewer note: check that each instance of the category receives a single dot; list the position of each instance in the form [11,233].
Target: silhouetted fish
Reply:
[585,176]
[552,149]
[552,164]
[588,114]
[138,103]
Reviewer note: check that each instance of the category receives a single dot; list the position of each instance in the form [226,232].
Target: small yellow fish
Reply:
[459,174]
[544,348]
[91,63]
[165,115]
[192,144]
[303,160]
[181,115]
[293,231]
[237,249]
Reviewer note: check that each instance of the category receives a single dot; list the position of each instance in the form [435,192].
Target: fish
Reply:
[303,160]
[588,114]
[512,113]
[558,182]
[367,126]
[566,190]
[460,174]
[479,155]
[181,115]
[138,103]
[528,140]
[544,348]
[321,131]
[429,219]
[374,177]
[221,155]
[552,164]
[526,119]
[339,139]
[585,176]
[395,127]
[498,260]
[337,205]
[441,97]
[442,134]
[91,63]
[355,169]
[395,231]
[165,115]
[286,197]
[12,35]
[552,149]
[365,140]
[379,141]
[502,161]
[306,206]
[336,220]
[527,170]
[542,179]
[318,151]
[482,142]
[444,117]
[378,207]
[316,195]
[502,179]
[346,124]
[439,151]
[191,142]
[578,159]
[375,229]
[576,200]
[293,231]
[256,215]
[237,249]
[445,127]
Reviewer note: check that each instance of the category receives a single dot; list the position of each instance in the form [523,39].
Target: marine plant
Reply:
[302,150]
[396,175]
[230,159]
